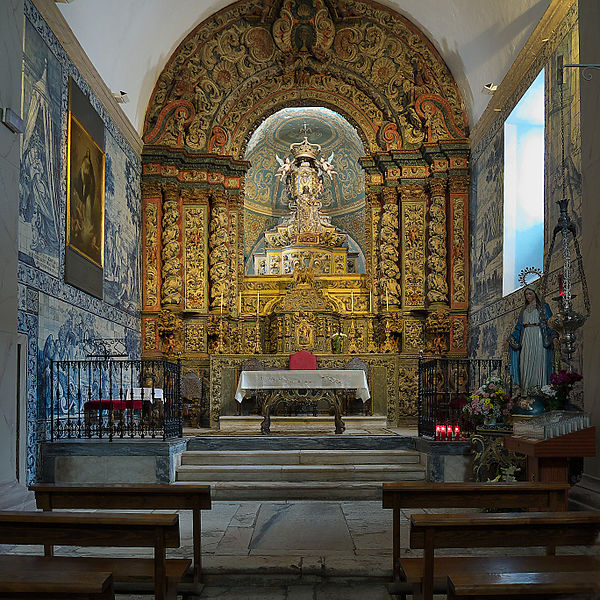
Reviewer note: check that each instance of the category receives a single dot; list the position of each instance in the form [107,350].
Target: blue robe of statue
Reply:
[520,347]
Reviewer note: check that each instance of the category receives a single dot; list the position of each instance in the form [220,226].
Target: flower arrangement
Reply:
[336,342]
[489,404]
[561,383]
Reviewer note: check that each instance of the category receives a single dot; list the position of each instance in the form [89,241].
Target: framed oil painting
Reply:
[85,194]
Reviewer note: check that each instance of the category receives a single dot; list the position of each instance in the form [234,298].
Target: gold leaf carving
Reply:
[389,285]
[459,289]
[437,284]
[150,254]
[195,334]
[172,281]
[252,58]
[413,253]
[408,387]
[459,333]
[195,256]
[218,258]
[150,332]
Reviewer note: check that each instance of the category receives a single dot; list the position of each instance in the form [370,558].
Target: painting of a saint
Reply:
[85,224]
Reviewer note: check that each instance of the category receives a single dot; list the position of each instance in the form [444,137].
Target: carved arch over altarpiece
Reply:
[381,73]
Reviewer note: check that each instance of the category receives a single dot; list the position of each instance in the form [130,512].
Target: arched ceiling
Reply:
[130,42]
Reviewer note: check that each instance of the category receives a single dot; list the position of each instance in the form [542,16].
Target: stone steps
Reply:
[298,457]
[299,474]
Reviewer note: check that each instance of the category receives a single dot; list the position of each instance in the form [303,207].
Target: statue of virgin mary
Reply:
[531,344]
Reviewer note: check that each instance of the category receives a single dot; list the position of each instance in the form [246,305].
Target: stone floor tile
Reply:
[300,592]
[245,515]
[331,591]
[217,565]
[245,593]
[301,526]
[375,540]
[235,541]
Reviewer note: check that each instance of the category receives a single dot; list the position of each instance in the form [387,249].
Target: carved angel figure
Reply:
[285,167]
[327,167]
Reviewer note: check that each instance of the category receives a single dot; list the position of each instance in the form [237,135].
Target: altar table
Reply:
[321,384]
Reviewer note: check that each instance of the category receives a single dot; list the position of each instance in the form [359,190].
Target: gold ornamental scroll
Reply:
[372,223]
[172,280]
[195,254]
[414,213]
[389,271]
[459,190]
[235,252]
[437,272]
[151,203]
[218,257]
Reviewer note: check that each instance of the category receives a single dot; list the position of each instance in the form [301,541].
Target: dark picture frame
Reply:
[85,193]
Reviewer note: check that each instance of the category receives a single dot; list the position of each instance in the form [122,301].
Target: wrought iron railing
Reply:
[108,398]
[444,385]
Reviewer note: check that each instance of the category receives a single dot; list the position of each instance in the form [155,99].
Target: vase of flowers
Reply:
[561,383]
[336,342]
[489,405]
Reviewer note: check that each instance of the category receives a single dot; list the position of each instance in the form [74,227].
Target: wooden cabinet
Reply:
[547,460]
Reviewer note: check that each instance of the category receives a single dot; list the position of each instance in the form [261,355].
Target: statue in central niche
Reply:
[305,238]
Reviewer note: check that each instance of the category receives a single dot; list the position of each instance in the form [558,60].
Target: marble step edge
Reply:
[270,477]
[219,443]
[360,468]
[269,491]
[299,457]
[290,574]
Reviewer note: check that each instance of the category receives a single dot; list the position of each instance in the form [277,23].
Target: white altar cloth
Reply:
[303,380]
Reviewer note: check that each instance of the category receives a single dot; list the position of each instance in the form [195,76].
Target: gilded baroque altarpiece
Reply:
[383,75]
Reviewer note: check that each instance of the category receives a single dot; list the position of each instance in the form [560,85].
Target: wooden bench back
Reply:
[551,496]
[504,529]
[150,496]
[89,529]
[528,495]
[49,496]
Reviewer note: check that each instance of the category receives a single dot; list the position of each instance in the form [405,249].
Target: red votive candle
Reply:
[560,285]
[456,432]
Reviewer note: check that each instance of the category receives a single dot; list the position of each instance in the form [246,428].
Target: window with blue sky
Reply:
[524,186]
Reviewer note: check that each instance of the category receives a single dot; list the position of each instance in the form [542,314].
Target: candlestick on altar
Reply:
[387,298]
[352,301]
[257,303]
[221,301]
[370,301]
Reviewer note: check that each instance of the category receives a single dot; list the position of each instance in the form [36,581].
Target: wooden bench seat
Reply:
[526,495]
[525,586]
[413,567]
[430,532]
[131,497]
[34,577]
[157,531]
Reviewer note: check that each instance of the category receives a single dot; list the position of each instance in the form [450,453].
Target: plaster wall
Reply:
[589,44]
[11,44]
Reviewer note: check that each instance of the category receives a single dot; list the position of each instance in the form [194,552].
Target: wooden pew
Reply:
[33,578]
[431,532]
[158,531]
[527,495]
[525,586]
[131,497]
